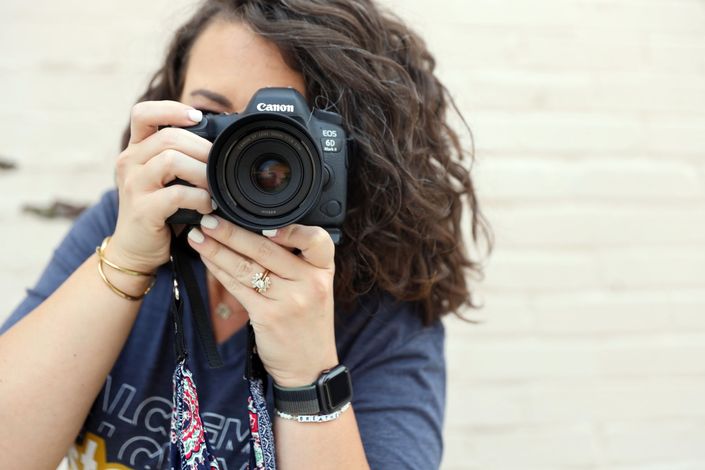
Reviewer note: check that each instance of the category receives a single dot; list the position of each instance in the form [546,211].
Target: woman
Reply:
[86,360]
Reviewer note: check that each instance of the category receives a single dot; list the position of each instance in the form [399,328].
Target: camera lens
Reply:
[271,174]
[265,171]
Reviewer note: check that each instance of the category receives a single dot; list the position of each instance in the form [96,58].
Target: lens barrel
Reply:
[265,171]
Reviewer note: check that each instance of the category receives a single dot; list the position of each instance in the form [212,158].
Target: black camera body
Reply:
[276,163]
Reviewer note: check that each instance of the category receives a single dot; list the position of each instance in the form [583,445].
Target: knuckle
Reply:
[176,194]
[265,249]
[232,284]
[201,201]
[169,137]
[122,164]
[128,183]
[205,201]
[244,269]
[320,287]
[204,197]
[169,160]
[228,230]
[298,301]
[289,232]
[212,250]
[138,111]
[320,237]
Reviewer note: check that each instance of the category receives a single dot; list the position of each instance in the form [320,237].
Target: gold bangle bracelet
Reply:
[101,259]
[101,253]
[122,294]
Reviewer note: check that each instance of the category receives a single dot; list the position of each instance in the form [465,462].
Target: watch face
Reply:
[336,388]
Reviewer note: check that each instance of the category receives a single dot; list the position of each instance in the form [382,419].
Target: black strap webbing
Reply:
[181,264]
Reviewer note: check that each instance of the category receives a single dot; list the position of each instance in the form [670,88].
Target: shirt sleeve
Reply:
[399,403]
[79,244]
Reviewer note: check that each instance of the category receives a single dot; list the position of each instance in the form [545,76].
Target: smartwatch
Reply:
[328,394]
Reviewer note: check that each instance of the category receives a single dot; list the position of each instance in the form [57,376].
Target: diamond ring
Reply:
[261,282]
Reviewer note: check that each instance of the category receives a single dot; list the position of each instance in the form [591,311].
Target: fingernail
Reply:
[213,204]
[196,235]
[270,233]
[195,115]
[208,221]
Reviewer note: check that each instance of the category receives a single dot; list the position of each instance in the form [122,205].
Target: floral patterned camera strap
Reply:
[261,436]
[189,448]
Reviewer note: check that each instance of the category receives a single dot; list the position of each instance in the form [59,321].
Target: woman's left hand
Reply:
[293,318]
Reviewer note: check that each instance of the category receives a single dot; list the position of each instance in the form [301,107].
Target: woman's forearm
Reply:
[54,362]
[332,444]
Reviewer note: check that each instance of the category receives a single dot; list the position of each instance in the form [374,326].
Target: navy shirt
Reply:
[397,367]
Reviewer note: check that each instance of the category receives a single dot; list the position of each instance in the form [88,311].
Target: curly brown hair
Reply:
[402,232]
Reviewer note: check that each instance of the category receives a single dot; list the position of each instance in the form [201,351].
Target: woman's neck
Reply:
[227,314]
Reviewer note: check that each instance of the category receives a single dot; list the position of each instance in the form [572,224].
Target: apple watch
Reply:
[328,394]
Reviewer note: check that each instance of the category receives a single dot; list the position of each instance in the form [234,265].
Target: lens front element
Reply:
[271,174]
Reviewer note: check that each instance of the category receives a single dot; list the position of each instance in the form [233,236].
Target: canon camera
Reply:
[276,163]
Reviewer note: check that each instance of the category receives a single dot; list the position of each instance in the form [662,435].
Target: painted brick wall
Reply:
[589,122]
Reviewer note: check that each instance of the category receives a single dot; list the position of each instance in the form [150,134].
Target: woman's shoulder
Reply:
[87,232]
[381,325]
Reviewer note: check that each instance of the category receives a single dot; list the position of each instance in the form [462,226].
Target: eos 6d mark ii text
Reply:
[275,164]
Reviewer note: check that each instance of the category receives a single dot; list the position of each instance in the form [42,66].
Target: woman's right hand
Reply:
[152,159]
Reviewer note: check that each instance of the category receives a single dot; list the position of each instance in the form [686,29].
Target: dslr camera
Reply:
[276,163]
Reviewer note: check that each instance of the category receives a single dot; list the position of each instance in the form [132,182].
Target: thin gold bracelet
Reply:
[101,252]
[101,259]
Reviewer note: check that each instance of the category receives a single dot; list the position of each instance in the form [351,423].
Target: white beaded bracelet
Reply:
[313,418]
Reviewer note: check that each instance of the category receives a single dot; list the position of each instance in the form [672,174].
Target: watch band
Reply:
[297,400]
[329,393]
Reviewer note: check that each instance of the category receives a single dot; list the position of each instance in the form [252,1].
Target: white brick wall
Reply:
[589,121]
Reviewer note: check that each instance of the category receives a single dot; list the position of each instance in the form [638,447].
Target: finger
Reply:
[247,296]
[237,266]
[169,165]
[147,116]
[254,246]
[171,138]
[167,201]
[315,243]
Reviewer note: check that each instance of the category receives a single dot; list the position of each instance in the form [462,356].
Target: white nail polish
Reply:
[214,205]
[195,115]
[269,233]
[196,235]
[208,221]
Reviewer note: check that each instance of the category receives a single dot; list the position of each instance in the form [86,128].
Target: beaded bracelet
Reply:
[313,418]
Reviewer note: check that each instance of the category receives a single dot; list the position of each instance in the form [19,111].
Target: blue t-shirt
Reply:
[397,367]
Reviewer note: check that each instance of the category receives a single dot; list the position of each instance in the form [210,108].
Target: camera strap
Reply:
[181,269]
[262,454]
[187,430]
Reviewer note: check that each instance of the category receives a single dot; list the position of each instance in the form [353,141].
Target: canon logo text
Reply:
[277,108]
